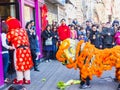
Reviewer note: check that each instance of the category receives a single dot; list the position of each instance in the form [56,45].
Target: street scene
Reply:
[53,72]
[59,44]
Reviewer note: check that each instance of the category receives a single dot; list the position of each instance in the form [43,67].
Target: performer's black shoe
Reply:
[118,88]
[36,70]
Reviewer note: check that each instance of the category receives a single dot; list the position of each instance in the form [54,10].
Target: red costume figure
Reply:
[22,55]
[63,31]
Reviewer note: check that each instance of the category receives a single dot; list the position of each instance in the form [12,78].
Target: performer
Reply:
[22,55]
[118,88]
[88,59]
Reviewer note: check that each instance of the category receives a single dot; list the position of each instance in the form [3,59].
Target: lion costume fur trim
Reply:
[88,59]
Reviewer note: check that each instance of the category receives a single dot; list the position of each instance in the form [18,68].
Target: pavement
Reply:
[53,72]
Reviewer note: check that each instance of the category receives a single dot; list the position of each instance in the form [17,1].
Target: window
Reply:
[9,8]
[28,13]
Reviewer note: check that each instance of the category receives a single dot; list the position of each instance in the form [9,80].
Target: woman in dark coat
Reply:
[55,41]
[47,35]
[33,46]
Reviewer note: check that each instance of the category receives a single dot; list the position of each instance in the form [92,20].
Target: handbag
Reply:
[48,41]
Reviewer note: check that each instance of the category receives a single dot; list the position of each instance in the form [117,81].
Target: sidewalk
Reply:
[53,72]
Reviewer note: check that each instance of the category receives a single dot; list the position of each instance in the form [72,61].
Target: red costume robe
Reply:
[19,39]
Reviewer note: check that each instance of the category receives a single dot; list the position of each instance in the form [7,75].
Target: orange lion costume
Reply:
[22,55]
[88,59]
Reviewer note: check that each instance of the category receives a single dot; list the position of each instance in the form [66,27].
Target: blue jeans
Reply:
[5,58]
[54,51]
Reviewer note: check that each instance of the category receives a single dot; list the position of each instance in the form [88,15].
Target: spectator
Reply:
[33,25]
[54,23]
[73,32]
[82,34]
[22,56]
[37,40]
[63,31]
[115,27]
[55,41]
[47,42]
[5,52]
[75,22]
[32,40]
[116,21]
[108,36]
[117,36]
[95,37]
[88,28]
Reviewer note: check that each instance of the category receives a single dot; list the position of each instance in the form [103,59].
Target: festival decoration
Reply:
[44,16]
[87,58]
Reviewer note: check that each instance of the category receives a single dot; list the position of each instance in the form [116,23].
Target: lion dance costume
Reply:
[88,59]
[22,55]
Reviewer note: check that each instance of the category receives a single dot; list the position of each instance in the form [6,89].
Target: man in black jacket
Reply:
[108,36]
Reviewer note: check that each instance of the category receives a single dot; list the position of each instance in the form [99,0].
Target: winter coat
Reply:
[117,38]
[73,34]
[55,37]
[19,39]
[32,40]
[81,33]
[97,41]
[63,32]
[108,39]
[45,35]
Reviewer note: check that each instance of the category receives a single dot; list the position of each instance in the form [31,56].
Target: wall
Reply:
[52,12]
[61,13]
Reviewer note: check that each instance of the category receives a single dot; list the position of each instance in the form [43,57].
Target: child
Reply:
[73,32]
[82,34]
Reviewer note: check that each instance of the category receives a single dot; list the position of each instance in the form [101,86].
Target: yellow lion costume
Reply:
[90,60]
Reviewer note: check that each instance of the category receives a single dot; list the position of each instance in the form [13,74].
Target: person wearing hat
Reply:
[17,36]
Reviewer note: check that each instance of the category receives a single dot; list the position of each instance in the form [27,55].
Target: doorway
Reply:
[9,8]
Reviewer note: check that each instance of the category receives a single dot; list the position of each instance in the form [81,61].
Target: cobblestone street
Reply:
[53,72]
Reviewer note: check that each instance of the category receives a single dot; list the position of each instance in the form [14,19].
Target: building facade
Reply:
[24,10]
[70,11]
[103,10]
[56,10]
[79,11]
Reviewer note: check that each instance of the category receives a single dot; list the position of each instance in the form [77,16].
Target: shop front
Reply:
[24,10]
[31,10]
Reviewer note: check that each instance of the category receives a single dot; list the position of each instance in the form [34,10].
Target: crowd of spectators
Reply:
[104,35]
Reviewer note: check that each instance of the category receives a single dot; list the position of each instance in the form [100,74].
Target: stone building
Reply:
[56,10]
